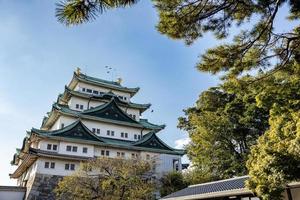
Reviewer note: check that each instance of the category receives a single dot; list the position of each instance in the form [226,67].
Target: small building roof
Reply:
[79,77]
[227,187]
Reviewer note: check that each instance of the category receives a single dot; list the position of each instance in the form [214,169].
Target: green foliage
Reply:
[74,12]
[223,126]
[254,48]
[108,179]
[172,182]
[194,176]
[275,160]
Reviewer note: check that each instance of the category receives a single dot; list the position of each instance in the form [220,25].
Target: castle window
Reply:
[122,134]
[52,165]
[135,136]
[108,132]
[83,89]
[69,166]
[74,149]
[107,153]
[134,156]
[121,154]
[139,136]
[98,130]
[133,116]
[126,135]
[81,107]
[112,133]
[49,146]
[54,147]
[102,152]
[46,165]
[93,130]
[125,98]
[77,106]
[69,148]
[84,150]
[95,92]
[89,90]
[62,125]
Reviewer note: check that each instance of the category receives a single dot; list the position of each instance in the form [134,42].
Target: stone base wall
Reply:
[42,187]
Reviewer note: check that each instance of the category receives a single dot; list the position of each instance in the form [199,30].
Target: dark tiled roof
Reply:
[102,82]
[211,187]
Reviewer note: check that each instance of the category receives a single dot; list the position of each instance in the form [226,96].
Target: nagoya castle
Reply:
[91,118]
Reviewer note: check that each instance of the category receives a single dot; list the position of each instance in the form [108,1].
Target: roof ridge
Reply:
[219,181]
[99,79]
[95,80]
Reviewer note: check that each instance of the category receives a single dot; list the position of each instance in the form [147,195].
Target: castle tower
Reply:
[91,118]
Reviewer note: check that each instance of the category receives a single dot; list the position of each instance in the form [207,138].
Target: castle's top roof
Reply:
[79,77]
[104,97]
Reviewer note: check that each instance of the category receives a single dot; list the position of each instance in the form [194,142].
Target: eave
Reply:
[48,154]
[127,147]
[61,110]
[77,132]
[28,160]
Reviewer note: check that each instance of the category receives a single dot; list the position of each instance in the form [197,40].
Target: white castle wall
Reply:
[59,167]
[164,162]
[62,148]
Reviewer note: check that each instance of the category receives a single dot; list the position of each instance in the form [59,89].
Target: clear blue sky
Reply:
[38,56]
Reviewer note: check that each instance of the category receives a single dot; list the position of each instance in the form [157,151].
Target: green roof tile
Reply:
[105,83]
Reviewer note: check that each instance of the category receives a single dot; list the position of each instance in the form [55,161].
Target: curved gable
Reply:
[152,141]
[77,130]
[110,111]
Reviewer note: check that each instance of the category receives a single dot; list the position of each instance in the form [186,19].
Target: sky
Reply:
[38,56]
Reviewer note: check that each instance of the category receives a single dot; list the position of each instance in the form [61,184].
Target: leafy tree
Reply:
[73,12]
[172,182]
[223,125]
[196,175]
[253,48]
[275,160]
[108,179]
